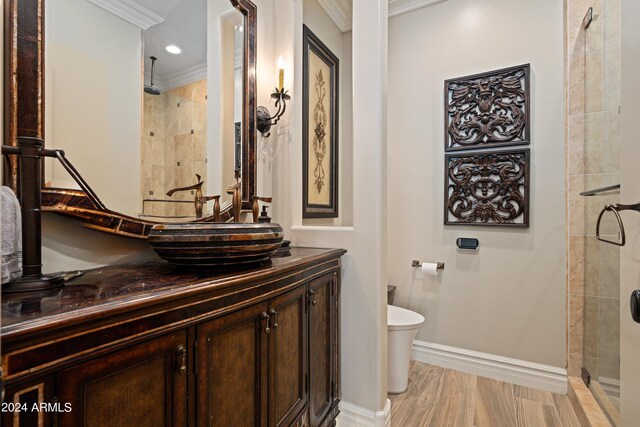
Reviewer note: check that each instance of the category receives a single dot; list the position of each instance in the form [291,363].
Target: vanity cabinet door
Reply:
[231,369]
[30,404]
[142,385]
[288,367]
[323,351]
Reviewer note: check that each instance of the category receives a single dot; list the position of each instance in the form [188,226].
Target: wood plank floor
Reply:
[441,397]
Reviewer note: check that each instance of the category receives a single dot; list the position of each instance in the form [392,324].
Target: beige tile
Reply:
[171,125]
[577,76]
[157,153]
[169,156]
[593,205]
[612,79]
[576,35]
[576,144]
[609,368]
[185,117]
[595,32]
[146,149]
[591,364]
[576,204]
[592,267]
[157,179]
[609,271]
[200,147]
[609,327]
[594,136]
[576,324]
[611,145]
[585,405]
[577,266]
[594,86]
[199,117]
[591,332]
[612,24]
[146,180]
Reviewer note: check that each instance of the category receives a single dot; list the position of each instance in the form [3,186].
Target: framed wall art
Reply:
[319,129]
[487,188]
[487,110]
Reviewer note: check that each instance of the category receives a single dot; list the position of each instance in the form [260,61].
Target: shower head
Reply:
[151,89]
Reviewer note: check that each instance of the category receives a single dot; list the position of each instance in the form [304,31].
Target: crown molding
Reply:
[130,11]
[340,13]
[399,7]
[186,76]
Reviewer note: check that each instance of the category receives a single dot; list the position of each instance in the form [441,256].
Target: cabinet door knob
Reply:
[312,294]
[265,316]
[274,313]
[181,357]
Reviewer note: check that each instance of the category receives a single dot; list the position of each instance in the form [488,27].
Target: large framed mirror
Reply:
[78,74]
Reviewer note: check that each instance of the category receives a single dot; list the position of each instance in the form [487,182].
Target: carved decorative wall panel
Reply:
[487,110]
[320,80]
[487,188]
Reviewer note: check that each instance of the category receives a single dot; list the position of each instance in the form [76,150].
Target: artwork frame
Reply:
[488,110]
[504,191]
[319,128]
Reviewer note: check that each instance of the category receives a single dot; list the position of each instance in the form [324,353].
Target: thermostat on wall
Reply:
[467,243]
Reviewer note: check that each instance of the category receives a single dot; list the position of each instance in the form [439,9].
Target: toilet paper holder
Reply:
[418,264]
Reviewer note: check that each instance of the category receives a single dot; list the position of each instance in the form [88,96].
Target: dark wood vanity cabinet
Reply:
[323,354]
[143,385]
[168,348]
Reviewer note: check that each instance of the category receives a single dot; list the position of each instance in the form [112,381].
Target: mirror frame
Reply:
[24,109]
[250,12]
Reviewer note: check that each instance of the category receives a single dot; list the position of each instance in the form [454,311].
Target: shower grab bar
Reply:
[616,209]
[600,190]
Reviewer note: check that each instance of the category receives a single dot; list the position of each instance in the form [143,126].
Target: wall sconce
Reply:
[264,119]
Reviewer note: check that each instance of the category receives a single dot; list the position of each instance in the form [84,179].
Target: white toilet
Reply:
[402,325]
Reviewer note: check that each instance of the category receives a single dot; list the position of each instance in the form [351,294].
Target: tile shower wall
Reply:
[593,161]
[174,146]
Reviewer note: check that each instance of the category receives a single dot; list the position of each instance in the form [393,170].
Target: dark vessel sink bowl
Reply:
[216,244]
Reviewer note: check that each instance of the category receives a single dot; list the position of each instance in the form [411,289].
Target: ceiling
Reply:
[185,25]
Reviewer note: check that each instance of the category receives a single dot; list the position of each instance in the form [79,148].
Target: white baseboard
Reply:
[611,386]
[500,368]
[356,416]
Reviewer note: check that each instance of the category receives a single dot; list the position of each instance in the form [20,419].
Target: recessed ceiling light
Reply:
[172,48]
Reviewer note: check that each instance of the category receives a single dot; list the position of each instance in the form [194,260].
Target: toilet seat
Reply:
[401,319]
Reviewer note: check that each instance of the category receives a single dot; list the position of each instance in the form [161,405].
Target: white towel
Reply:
[11,232]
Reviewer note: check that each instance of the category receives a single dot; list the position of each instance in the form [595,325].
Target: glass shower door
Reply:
[601,345]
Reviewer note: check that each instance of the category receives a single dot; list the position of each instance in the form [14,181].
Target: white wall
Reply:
[630,193]
[94,99]
[363,296]
[509,298]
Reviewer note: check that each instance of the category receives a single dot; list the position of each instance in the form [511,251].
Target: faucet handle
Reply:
[216,206]
[255,208]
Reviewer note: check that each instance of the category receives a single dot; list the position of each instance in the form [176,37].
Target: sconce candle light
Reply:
[264,119]
[280,72]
